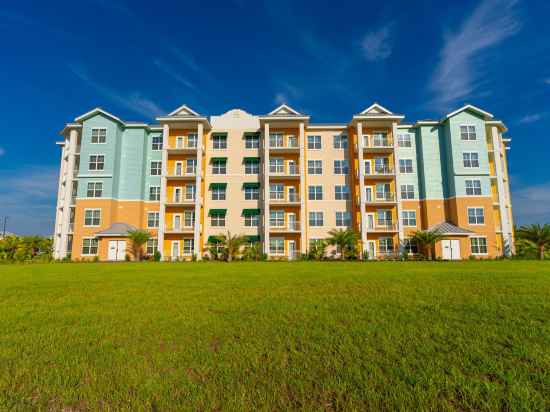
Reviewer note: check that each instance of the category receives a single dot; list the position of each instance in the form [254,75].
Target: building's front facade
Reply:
[284,182]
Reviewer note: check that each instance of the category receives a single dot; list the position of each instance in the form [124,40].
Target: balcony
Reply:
[291,199]
[284,172]
[290,146]
[187,174]
[181,202]
[184,229]
[377,144]
[380,172]
[381,198]
[289,227]
[183,147]
[71,227]
[382,227]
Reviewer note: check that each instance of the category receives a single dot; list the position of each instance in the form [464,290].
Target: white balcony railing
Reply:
[377,142]
[380,171]
[289,171]
[276,197]
[288,227]
[381,197]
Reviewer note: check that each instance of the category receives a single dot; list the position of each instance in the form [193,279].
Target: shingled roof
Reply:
[116,229]
[446,228]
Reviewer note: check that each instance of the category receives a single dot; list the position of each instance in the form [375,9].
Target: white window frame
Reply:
[93,210]
[277,218]
[407,186]
[315,192]
[341,192]
[156,220]
[468,132]
[251,168]
[341,167]
[340,141]
[276,165]
[406,218]
[157,193]
[314,142]
[386,240]
[342,218]
[476,208]
[404,170]
[314,167]
[217,140]
[473,188]
[252,141]
[252,220]
[104,129]
[277,242]
[152,243]
[219,193]
[188,246]
[478,247]
[91,239]
[217,220]
[470,160]
[404,140]
[159,167]
[276,191]
[251,193]
[219,167]
[156,144]
[96,162]
[94,190]
[313,218]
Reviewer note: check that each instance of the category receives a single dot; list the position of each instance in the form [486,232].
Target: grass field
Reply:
[275,336]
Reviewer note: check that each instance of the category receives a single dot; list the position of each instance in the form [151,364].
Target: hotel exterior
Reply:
[283,181]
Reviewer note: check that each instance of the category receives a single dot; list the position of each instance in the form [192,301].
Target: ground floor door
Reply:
[117,250]
[175,249]
[291,249]
[371,249]
[450,249]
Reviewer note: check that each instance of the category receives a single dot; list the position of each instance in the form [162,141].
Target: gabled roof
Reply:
[97,110]
[284,110]
[116,229]
[184,110]
[472,108]
[377,109]
[446,228]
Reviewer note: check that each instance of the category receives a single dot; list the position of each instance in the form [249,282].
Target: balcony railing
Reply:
[380,171]
[183,228]
[289,144]
[381,197]
[182,201]
[288,227]
[377,142]
[289,171]
[191,145]
[276,197]
[383,226]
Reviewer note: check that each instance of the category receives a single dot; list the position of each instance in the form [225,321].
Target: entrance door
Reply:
[175,249]
[371,249]
[370,221]
[450,249]
[117,250]
[177,195]
[292,197]
[291,249]
[177,222]
[179,169]
[368,192]
[292,221]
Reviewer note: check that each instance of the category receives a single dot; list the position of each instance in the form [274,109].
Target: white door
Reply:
[450,249]
[179,168]
[292,221]
[117,250]
[371,249]
[177,222]
[177,194]
[292,194]
[291,249]
[368,191]
[179,142]
[370,221]
[175,249]
[367,167]
[112,250]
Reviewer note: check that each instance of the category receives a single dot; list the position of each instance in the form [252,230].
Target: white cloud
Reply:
[2,151]
[134,101]
[546,81]
[164,67]
[186,59]
[376,44]
[530,118]
[460,68]
[531,204]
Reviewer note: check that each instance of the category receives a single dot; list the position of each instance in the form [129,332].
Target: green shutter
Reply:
[218,186]
[217,212]
[213,239]
[219,134]
[251,212]
[219,159]
[251,185]
[253,239]
[252,159]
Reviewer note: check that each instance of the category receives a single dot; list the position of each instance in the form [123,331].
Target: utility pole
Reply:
[4,229]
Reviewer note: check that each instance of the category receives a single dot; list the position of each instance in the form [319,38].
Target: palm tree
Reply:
[344,240]
[231,245]
[139,238]
[426,241]
[317,249]
[539,235]
[253,251]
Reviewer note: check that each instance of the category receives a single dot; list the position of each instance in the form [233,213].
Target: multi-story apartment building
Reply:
[283,181]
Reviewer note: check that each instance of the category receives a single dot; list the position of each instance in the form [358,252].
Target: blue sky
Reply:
[138,59]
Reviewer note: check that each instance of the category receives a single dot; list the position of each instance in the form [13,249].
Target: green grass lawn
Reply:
[275,336]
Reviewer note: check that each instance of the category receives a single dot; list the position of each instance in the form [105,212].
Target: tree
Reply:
[344,240]
[317,249]
[230,245]
[539,235]
[426,241]
[138,238]
[253,251]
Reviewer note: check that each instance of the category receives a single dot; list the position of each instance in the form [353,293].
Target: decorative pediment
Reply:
[471,108]
[284,110]
[96,111]
[184,110]
[376,109]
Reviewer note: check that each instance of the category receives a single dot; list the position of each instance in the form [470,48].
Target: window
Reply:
[315,167]
[276,218]
[219,166]
[152,219]
[340,141]
[192,139]
[277,246]
[410,246]
[404,140]
[188,246]
[95,189]
[470,159]
[385,245]
[252,141]
[384,218]
[189,218]
[154,193]
[251,167]
[276,140]
[341,192]
[315,192]
[478,245]
[409,217]
[407,191]
[380,139]
[219,142]
[340,167]
[156,168]
[218,192]
[152,246]
[252,220]
[92,217]
[314,142]
[190,166]
[276,165]
[276,191]
[217,220]
[156,143]
[476,216]
[316,218]
[381,165]
[405,166]
[99,135]
[473,187]
[190,191]
[251,193]
[89,246]
[97,162]
[468,133]
[343,219]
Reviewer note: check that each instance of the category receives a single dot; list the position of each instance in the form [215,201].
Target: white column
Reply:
[302,160]
[59,204]
[397,185]
[362,195]
[505,223]
[162,207]
[65,216]
[198,193]
[266,188]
